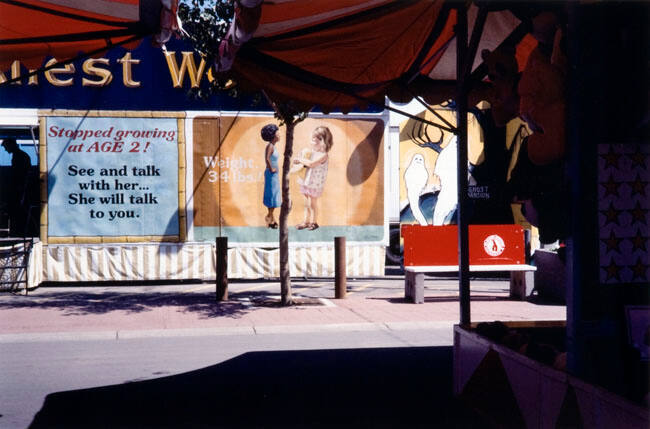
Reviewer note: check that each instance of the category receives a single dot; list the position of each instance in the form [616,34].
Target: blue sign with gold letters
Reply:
[145,78]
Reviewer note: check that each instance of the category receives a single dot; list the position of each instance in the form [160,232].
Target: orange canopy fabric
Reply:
[331,53]
[340,53]
[346,53]
[31,30]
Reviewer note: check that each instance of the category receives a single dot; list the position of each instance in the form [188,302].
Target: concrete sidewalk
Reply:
[253,308]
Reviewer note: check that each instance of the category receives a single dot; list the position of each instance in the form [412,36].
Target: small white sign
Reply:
[494,245]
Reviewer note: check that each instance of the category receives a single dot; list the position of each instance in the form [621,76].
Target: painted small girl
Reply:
[272,195]
[314,182]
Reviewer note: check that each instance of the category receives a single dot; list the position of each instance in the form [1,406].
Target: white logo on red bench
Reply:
[494,245]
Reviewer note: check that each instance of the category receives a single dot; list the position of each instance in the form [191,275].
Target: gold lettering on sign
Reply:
[15,72]
[33,78]
[51,75]
[210,75]
[89,67]
[187,65]
[97,72]
[127,74]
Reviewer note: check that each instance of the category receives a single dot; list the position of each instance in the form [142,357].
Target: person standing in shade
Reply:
[272,194]
[20,165]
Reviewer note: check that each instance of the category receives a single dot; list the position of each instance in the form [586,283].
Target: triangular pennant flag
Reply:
[570,416]
[553,390]
[471,356]
[617,412]
[489,392]
[525,382]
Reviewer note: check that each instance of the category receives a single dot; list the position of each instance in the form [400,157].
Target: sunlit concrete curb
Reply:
[232,330]
[185,332]
[57,336]
[401,326]
[330,327]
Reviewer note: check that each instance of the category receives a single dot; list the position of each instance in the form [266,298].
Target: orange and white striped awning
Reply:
[31,30]
[337,53]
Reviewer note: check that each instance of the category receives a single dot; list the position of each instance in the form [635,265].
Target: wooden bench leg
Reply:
[414,287]
[521,284]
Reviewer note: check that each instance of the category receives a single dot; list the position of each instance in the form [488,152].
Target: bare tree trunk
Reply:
[285,208]
[289,116]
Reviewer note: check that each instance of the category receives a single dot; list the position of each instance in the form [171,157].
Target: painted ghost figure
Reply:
[446,169]
[416,177]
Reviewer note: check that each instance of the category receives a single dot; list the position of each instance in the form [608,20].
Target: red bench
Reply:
[434,249]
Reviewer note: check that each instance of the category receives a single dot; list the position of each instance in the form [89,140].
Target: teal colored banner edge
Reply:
[249,234]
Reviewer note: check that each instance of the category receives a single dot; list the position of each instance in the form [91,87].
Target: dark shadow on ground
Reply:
[540,299]
[357,388]
[75,303]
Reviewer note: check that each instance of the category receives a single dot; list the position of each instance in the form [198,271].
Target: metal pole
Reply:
[222,268]
[461,126]
[340,279]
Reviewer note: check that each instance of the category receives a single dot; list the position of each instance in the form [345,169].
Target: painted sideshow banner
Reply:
[428,171]
[624,213]
[112,177]
[336,179]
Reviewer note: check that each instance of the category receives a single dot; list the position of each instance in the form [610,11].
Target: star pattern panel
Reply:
[623,205]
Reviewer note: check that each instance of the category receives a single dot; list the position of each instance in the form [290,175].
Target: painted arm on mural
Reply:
[318,158]
[267,158]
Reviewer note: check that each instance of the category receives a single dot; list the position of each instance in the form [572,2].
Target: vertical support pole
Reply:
[28,251]
[586,129]
[461,126]
[222,268]
[576,363]
[340,276]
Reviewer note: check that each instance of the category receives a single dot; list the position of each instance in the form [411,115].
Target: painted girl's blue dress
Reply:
[272,194]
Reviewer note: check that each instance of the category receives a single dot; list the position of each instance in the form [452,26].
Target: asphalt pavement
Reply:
[169,355]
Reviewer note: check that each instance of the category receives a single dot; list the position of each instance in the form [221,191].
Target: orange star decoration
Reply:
[613,270]
[639,269]
[611,214]
[638,213]
[612,242]
[638,158]
[638,186]
[611,158]
[639,242]
[611,186]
